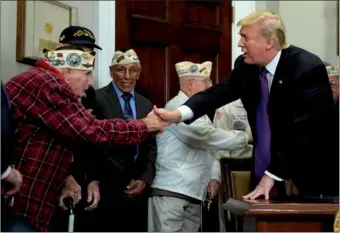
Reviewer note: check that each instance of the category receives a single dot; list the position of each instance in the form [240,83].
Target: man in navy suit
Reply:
[288,98]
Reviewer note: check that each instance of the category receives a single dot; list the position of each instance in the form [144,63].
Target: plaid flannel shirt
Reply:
[48,122]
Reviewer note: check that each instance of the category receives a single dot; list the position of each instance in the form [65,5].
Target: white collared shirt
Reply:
[271,67]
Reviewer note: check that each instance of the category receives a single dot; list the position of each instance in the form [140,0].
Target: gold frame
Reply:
[21,29]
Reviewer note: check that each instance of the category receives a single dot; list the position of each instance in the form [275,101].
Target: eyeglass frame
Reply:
[121,75]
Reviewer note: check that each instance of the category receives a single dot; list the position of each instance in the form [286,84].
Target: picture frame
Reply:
[39,24]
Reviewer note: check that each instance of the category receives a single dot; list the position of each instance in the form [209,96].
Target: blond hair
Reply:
[272,26]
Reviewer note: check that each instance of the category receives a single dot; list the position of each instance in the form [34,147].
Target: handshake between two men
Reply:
[156,121]
[159,118]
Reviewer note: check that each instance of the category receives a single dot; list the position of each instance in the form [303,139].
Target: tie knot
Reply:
[126,96]
[264,73]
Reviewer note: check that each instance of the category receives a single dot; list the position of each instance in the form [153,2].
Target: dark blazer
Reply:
[7,133]
[300,106]
[120,159]
[87,157]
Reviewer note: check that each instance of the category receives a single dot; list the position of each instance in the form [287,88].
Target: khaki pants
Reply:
[171,214]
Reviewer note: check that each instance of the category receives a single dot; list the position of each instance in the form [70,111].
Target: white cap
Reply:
[187,68]
[120,58]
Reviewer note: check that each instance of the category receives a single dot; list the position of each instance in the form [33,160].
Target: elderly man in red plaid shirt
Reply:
[49,123]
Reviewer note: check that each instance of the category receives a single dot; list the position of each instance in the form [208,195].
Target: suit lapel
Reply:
[139,111]
[279,74]
[278,88]
[112,98]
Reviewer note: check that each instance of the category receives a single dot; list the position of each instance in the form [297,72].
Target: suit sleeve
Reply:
[149,148]
[94,164]
[83,164]
[77,167]
[151,151]
[216,96]
[311,105]
[87,167]
[7,133]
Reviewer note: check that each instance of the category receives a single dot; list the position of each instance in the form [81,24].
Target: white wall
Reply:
[8,66]
[241,9]
[310,24]
[98,16]
[105,27]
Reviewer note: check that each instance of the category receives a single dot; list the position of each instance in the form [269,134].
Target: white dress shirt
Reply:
[187,114]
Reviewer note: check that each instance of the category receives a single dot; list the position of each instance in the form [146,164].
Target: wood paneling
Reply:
[202,15]
[156,10]
[153,59]
[288,226]
[166,32]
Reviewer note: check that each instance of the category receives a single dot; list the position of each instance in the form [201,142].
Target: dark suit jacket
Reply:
[300,106]
[87,157]
[7,134]
[120,166]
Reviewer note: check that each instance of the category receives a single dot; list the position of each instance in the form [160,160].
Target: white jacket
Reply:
[233,116]
[185,163]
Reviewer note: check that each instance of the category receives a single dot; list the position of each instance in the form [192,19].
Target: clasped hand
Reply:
[159,118]
[154,123]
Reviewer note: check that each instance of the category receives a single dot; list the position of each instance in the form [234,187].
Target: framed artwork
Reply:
[39,24]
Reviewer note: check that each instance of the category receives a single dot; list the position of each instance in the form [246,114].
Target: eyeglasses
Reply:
[121,72]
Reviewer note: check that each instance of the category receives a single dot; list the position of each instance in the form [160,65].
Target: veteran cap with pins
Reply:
[68,57]
[187,68]
[79,36]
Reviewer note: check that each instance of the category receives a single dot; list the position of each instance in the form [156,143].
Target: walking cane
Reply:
[68,202]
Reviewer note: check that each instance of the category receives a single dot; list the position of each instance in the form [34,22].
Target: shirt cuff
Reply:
[273,176]
[216,171]
[186,113]
[6,173]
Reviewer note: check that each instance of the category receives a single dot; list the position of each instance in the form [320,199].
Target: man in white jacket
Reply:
[233,116]
[186,169]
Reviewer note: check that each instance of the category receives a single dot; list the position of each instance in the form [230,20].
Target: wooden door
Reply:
[165,32]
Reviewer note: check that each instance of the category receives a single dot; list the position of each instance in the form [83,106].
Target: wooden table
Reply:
[286,216]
